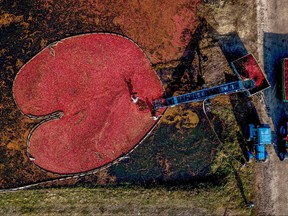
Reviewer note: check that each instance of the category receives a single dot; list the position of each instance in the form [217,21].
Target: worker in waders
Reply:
[134,97]
[155,117]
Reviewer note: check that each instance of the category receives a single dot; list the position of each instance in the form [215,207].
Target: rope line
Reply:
[219,140]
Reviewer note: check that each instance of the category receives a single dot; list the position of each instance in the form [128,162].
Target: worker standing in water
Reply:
[134,97]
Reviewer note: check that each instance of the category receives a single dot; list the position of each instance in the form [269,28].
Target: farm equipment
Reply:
[259,136]
[284,73]
[283,142]
[251,80]
[227,88]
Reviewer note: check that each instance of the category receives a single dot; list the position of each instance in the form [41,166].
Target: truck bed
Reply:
[247,67]
[285,79]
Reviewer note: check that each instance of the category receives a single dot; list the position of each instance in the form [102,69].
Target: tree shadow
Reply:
[245,113]
[185,65]
[244,110]
[232,46]
[239,183]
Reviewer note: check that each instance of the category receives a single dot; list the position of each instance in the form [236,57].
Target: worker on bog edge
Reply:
[31,158]
[155,117]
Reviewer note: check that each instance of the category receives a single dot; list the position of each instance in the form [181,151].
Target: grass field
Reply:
[118,200]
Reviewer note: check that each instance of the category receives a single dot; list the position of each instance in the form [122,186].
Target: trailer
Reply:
[247,67]
[284,74]
[283,129]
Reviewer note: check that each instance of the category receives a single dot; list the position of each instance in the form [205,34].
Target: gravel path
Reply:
[271,177]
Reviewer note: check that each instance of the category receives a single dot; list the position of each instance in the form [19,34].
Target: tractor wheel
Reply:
[283,132]
[266,157]
[250,157]
[247,134]
[283,156]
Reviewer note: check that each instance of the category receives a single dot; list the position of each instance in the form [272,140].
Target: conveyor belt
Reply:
[201,95]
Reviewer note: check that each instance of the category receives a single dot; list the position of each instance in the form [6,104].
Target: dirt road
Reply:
[272,177]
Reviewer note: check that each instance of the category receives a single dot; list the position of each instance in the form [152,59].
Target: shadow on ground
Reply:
[244,111]
[239,183]
[275,48]
[186,67]
[232,46]
[183,154]
[170,154]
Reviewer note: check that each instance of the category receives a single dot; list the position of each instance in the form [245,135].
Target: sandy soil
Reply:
[271,178]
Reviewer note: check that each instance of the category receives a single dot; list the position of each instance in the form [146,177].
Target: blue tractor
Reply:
[259,137]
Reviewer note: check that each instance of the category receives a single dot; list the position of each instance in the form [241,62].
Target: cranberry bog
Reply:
[88,80]
[35,25]
[247,67]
